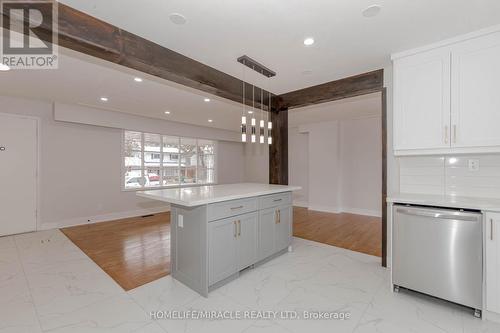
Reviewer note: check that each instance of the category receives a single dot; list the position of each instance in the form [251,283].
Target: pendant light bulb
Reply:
[243,129]
[269,133]
[261,131]
[253,130]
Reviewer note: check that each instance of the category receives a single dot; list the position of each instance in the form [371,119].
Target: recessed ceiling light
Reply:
[177,18]
[104,99]
[137,79]
[210,120]
[4,67]
[207,100]
[167,112]
[250,112]
[372,11]
[309,41]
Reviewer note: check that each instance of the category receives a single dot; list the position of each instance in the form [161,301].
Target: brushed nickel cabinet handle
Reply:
[454,133]
[235,227]
[275,217]
[491,229]
[276,200]
[239,228]
[446,134]
[234,208]
[279,216]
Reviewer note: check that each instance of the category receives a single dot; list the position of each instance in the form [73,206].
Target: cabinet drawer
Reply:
[275,200]
[225,209]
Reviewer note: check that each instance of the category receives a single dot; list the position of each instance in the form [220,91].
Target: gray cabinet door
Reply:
[222,248]
[267,221]
[247,240]
[283,228]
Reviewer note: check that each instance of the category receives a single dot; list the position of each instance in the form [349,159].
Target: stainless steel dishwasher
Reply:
[439,252]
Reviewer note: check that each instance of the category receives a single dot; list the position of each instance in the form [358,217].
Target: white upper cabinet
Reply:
[422,101]
[476,92]
[446,97]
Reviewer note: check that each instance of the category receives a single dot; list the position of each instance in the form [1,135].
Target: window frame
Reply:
[143,168]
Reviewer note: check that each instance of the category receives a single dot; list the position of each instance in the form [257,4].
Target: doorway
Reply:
[18,174]
[336,154]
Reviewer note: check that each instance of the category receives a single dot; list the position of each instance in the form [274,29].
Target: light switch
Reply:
[180,221]
[473,165]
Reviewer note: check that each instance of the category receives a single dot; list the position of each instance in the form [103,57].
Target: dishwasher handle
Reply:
[460,216]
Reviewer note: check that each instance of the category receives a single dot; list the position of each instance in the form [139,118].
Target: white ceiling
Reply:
[218,31]
[82,80]
[350,108]
[272,32]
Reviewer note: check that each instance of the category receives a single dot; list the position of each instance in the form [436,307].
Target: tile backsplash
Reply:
[462,175]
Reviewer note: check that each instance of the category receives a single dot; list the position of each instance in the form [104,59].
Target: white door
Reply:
[18,174]
[493,262]
[475,94]
[422,101]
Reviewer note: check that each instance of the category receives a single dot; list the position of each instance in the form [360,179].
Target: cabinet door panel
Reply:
[422,101]
[493,262]
[267,221]
[475,95]
[222,244]
[283,228]
[247,240]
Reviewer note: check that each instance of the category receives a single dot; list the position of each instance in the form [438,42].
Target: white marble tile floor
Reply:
[47,284]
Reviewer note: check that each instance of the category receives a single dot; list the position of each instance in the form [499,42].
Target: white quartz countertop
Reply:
[484,204]
[202,195]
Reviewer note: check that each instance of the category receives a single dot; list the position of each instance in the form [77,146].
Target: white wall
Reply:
[392,163]
[256,163]
[79,173]
[298,161]
[349,151]
[230,162]
[324,166]
[361,163]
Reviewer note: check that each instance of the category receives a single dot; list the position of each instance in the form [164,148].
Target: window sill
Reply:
[164,187]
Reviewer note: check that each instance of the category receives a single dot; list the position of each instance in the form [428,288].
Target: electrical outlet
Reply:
[473,165]
[180,221]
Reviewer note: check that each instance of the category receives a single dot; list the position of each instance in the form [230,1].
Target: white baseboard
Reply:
[491,316]
[327,209]
[102,218]
[361,211]
[337,210]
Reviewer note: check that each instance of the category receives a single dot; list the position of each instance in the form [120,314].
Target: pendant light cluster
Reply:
[264,118]
[251,126]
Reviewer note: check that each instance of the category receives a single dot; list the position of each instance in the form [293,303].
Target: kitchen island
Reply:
[219,230]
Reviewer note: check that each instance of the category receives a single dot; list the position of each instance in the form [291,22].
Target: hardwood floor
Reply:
[136,251]
[132,251]
[354,232]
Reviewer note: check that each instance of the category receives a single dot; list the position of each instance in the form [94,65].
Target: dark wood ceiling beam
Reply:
[86,34]
[349,87]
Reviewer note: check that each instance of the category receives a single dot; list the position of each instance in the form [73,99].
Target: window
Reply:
[155,161]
